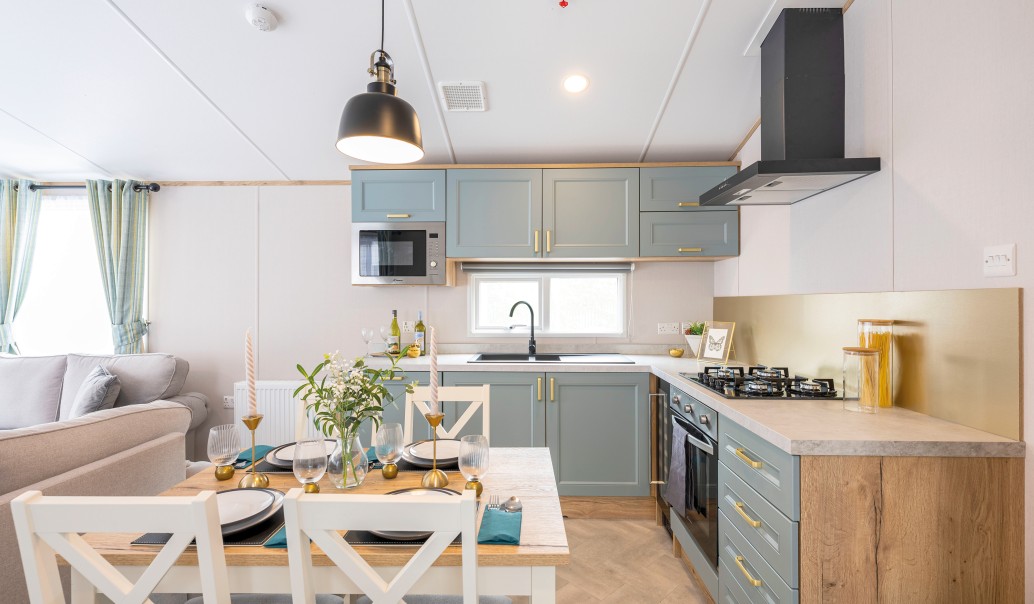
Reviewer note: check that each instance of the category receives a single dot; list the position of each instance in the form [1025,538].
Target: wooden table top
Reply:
[524,472]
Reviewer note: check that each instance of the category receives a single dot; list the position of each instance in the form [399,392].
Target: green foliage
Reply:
[695,329]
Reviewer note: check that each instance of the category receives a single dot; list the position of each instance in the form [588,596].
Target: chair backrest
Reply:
[478,396]
[46,526]
[320,517]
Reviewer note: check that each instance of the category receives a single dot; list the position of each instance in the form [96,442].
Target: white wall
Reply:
[941,90]
[276,260]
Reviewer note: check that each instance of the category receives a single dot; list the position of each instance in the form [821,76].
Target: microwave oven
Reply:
[398,253]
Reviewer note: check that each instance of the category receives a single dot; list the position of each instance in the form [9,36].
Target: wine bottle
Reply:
[395,339]
[418,333]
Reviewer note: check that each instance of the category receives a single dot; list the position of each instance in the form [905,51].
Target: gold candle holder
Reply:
[253,479]
[390,470]
[312,487]
[434,478]
[474,485]
[223,472]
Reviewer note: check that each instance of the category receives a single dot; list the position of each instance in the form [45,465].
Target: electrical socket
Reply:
[227,402]
[665,329]
[407,327]
[1000,260]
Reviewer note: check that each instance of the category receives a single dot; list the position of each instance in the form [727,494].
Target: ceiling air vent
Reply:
[462,96]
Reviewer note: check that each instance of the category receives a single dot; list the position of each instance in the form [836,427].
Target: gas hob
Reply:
[762,382]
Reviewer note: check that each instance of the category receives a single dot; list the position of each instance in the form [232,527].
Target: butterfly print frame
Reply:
[716,344]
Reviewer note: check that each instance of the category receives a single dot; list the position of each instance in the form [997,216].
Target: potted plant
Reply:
[339,402]
[694,333]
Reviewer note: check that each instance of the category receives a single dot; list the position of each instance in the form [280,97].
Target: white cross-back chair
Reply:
[50,525]
[477,396]
[320,517]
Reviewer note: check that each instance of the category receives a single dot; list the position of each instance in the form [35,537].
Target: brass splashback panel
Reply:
[957,353]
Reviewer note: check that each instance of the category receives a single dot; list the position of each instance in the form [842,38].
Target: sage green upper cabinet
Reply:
[679,189]
[494,213]
[398,195]
[517,407]
[591,213]
[689,234]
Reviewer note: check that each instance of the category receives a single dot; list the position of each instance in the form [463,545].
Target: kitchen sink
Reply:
[510,357]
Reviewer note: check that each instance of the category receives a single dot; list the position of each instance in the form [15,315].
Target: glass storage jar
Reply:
[861,379]
[879,334]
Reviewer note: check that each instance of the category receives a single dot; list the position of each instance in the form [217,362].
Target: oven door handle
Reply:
[704,446]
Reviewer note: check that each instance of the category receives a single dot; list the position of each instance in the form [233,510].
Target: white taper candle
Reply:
[249,366]
[434,371]
[300,427]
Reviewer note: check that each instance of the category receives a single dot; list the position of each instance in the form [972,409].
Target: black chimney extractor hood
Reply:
[802,116]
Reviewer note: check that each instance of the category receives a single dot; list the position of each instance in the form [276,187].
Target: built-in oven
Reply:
[692,488]
[398,253]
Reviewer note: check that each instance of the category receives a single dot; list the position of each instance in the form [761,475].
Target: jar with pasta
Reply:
[861,379]
[879,334]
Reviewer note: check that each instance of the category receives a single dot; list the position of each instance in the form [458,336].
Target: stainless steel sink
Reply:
[510,357]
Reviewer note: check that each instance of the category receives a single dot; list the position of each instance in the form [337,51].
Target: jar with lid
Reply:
[861,379]
[879,334]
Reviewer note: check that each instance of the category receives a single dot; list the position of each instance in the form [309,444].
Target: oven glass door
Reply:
[393,253]
[701,488]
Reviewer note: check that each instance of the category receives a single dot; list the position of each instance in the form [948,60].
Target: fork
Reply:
[493,502]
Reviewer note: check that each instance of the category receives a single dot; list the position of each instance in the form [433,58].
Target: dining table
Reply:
[527,569]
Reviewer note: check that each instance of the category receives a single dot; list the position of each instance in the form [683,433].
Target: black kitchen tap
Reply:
[531,342]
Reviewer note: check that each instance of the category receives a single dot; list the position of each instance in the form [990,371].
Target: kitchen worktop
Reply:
[816,427]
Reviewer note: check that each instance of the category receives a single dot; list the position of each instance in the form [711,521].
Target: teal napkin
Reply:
[371,455]
[500,528]
[278,540]
[260,452]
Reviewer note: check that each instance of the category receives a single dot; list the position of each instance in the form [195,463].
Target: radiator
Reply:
[278,407]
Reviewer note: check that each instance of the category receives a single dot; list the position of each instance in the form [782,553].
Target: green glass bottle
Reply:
[395,339]
[419,332]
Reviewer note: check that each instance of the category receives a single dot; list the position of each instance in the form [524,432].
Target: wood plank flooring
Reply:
[628,561]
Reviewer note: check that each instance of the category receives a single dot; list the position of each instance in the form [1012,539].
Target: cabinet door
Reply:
[598,433]
[517,407]
[591,213]
[398,196]
[396,412]
[494,214]
[679,189]
[690,234]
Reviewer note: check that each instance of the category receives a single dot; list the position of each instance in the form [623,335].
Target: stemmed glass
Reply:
[386,336]
[367,334]
[388,445]
[310,463]
[224,445]
[473,461]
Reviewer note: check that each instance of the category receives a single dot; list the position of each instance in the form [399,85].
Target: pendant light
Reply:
[376,125]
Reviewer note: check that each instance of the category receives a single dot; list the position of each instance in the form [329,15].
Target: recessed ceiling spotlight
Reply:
[576,83]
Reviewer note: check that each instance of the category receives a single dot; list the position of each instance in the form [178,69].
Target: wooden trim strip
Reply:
[847,5]
[743,142]
[608,508]
[230,183]
[669,164]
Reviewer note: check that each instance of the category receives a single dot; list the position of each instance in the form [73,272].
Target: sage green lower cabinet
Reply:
[689,234]
[396,412]
[597,430]
[517,409]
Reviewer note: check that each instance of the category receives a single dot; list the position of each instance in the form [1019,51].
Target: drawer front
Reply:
[768,531]
[689,234]
[769,470]
[729,591]
[398,196]
[679,189]
[748,569]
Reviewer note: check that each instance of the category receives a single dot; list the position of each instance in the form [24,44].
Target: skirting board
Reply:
[608,508]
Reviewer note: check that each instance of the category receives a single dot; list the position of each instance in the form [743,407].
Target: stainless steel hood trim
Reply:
[737,189]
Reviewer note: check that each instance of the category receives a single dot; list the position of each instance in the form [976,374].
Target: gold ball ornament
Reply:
[390,471]
[474,485]
[312,487]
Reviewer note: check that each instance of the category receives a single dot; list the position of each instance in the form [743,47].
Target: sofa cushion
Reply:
[30,390]
[144,377]
[98,391]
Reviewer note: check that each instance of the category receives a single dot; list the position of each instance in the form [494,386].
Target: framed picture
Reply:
[717,341]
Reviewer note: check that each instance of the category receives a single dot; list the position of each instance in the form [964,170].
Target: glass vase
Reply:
[348,465]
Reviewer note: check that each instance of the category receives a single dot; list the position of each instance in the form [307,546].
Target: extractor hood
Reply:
[802,116]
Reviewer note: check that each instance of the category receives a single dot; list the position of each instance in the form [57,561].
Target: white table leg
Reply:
[543,585]
[83,592]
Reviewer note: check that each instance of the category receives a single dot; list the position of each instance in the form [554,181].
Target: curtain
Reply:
[19,217]
[119,215]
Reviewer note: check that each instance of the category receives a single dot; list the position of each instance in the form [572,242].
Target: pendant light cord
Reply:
[382,25]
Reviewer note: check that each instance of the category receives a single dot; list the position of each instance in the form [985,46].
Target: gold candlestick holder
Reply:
[253,479]
[434,478]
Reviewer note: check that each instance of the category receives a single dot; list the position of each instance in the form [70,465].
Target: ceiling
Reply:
[188,90]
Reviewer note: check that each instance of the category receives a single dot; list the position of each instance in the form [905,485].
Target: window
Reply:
[566,303]
[64,308]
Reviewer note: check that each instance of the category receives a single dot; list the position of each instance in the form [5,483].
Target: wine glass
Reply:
[367,334]
[310,463]
[224,445]
[388,446]
[473,461]
[386,336]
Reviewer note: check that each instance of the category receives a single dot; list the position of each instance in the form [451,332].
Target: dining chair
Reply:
[477,396]
[320,517]
[47,526]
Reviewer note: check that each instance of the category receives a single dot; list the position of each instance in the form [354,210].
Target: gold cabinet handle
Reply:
[750,462]
[537,247]
[690,250]
[397,378]
[657,482]
[689,204]
[743,569]
[750,521]
[539,381]
[552,388]
[549,247]
[398,215]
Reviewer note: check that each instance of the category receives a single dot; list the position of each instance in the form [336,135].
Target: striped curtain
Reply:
[119,214]
[19,216]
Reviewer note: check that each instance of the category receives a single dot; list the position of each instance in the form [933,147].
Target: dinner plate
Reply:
[418,492]
[421,453]
[283,456]
[241,509]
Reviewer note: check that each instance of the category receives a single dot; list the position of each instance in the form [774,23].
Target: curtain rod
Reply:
[152,187]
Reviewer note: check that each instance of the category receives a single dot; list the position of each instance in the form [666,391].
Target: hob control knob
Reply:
[434,263]
[690,410]
[705,420]
[675,399]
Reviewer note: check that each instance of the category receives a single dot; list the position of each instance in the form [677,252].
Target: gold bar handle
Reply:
[743,569]
[657,482]
[398,215]
[549,247]
[537,251]
[750,521]
[397,378]
[552,388]
[539,381]
[690,250]
[689,204]
[750,462]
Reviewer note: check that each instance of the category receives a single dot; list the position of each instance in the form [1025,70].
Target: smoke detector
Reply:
[462,96]
[260,17]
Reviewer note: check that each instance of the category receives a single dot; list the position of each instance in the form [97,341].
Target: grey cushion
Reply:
[30,390]
[97,392]
[144,377]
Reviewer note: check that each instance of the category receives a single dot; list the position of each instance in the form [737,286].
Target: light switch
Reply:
[1000,260]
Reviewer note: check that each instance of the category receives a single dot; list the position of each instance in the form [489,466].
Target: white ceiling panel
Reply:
[85,79]
[718,97]
[26,153]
